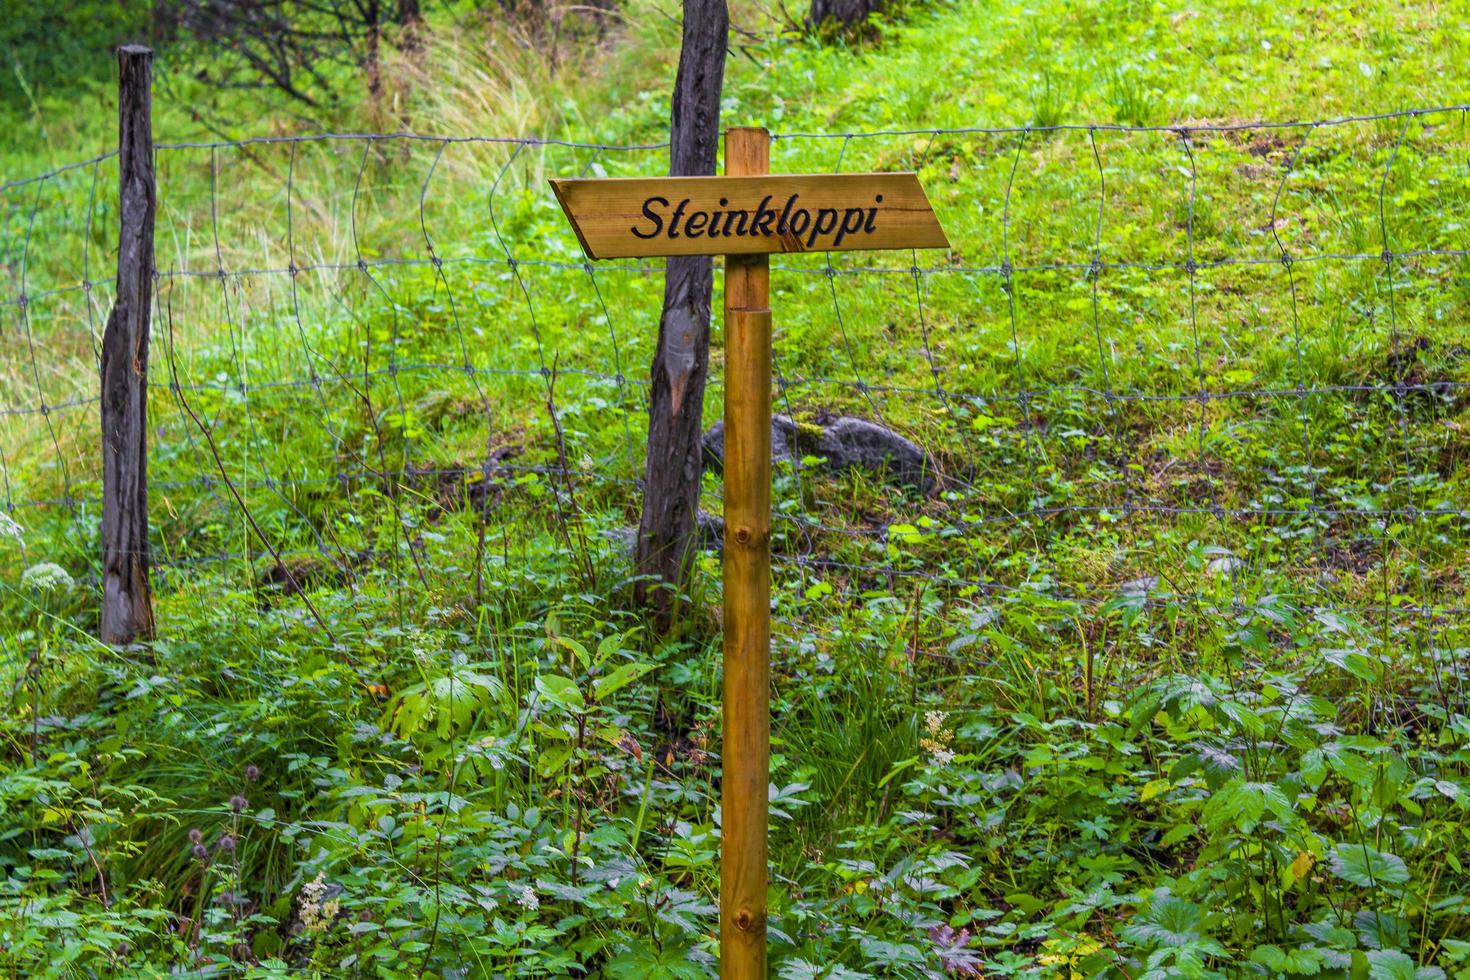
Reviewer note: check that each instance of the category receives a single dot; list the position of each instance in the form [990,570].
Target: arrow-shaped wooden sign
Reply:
[625,217]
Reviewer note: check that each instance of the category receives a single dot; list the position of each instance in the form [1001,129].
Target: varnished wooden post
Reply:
[747,605]
[127,604]
[745,215]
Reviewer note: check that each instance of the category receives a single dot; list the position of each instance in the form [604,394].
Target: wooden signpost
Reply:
[745,215]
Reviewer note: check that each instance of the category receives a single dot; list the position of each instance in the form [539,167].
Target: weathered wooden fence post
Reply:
[127,602]
[745,756]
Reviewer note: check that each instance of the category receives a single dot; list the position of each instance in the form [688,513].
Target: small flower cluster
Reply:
[316,914]
[937,738]
[47,577]
[225,844]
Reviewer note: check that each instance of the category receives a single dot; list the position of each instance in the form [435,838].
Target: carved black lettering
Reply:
[872,216]
[651,215]
[730,217]
[678,214]
[760,225]
[781,225]
[825,223]
[801,219]
[852,220]
[696,223]
[714,220]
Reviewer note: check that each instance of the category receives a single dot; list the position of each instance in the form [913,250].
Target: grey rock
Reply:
[845,443]
[1140,586]
[1224,565]
[851,443]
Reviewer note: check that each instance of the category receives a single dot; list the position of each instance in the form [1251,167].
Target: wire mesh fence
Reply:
[1211,366]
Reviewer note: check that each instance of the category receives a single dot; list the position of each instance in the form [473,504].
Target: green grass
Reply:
[1146,687]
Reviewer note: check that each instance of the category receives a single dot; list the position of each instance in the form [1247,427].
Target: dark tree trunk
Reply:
[666,533]
[846,13]
[127,605]
[410,22]
[372,60]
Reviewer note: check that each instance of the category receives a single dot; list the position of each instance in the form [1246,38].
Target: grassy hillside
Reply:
[1162,674]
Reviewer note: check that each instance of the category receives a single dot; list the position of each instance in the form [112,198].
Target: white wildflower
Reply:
[528,899]
[938,738]
[47,577]
[10,529]
[318,915]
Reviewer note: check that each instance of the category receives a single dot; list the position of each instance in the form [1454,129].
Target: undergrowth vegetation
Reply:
[1160,672]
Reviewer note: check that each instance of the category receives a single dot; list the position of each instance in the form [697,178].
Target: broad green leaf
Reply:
[1389,964]
[1244,804]
[562,691]
[619,679]
[1366,867]
[1298,961]
[1168,921]
[577,650]
[608,647]
[644,963]
[1354,662]
[551,761]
